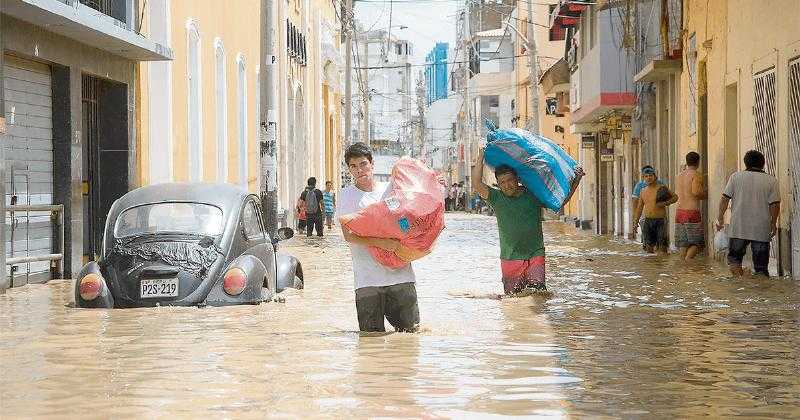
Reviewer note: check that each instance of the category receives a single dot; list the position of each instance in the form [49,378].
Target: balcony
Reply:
[104,24]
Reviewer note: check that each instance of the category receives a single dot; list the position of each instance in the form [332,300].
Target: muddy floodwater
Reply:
[625,335]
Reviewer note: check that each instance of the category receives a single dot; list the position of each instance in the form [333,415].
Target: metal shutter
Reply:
[29,154]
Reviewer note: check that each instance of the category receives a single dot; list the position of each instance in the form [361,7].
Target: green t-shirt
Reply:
[519,220]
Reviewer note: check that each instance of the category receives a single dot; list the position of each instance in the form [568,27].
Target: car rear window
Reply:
[203,219]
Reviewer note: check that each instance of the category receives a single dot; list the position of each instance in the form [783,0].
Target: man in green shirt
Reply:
[519,221]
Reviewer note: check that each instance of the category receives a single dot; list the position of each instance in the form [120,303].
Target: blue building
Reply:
[436,72]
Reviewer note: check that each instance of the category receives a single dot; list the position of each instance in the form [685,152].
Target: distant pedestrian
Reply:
[690,234]
[329,203]
[519,222]
[300,212]
[653,202]
[381,292]
[452,194]
[754,214]
[637,190]
[314,207]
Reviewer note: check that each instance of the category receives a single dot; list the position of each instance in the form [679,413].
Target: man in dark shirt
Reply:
[314,207]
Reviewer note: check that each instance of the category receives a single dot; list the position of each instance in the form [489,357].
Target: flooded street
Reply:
[625,335]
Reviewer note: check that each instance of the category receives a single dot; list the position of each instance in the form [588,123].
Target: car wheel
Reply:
[298,282]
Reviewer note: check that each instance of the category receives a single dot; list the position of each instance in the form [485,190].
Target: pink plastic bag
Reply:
[411,212]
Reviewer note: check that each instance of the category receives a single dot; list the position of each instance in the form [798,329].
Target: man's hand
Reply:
[719,224]
[773,230]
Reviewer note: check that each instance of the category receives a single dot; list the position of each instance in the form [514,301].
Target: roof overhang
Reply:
[657,70]
[88,26]
[556,75]
[591,111]
[567,14]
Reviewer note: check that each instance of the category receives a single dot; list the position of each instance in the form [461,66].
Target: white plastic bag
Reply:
[720,241]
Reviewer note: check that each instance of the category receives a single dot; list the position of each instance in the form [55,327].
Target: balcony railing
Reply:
[114,8]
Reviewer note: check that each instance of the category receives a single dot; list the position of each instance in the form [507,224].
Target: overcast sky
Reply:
[428,22]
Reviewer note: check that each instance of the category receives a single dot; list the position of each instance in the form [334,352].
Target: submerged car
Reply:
[186,244]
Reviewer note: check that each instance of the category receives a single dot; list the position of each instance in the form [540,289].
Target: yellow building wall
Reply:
[708,21]
[755,45]
[734,47]
[236,27]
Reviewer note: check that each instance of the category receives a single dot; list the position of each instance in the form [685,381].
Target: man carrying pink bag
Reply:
[387,225]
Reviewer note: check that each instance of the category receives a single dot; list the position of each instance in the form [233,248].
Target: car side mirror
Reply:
[284,233]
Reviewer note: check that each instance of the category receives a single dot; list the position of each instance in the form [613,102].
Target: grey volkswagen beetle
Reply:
[186,244]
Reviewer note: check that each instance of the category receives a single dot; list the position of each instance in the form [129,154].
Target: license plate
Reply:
[152,288]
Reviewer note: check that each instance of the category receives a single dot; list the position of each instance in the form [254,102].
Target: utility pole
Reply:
[533,119]
[347,32]
[268,125]
[365,91]
[468,105]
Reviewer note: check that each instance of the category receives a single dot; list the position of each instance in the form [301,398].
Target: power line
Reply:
[454,62]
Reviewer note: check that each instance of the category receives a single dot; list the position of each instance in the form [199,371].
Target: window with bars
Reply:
[794,149]
[764,117]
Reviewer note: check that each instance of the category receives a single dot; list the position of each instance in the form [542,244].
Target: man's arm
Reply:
[320,201]
[774,211]
[574,186]
[637,214]
[383,243]
[477,177]
[698,189]
[723,207]
[673,198]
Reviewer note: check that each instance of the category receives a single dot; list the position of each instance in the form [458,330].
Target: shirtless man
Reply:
[689,232]
[654,225]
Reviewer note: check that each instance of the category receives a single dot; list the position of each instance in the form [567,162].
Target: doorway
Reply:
[105,155]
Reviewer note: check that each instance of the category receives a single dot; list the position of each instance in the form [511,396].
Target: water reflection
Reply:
[625,335]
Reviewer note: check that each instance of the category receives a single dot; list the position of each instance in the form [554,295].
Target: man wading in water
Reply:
[689,232]
[519,222]
[380,291]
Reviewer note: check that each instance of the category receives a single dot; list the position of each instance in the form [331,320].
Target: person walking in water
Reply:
[381,292]
[754,214]
[519,222]
[312,197]
[329,203]
[689,231]
[653,202]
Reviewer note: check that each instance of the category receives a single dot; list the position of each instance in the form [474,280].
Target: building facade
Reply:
[201,113]
[68,112]
[437,73]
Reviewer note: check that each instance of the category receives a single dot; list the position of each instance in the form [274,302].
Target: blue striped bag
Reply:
[541,165]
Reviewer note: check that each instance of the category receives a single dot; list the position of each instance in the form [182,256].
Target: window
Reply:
[251,219]
[241,100]
[195,94]
[221,94]
[195,218]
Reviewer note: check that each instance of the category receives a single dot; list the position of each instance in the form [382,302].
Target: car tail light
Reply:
[91,286]
[234,281]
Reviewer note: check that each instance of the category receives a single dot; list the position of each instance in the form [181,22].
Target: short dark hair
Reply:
[648,167]
[358,149]
[504,169]
[328,182]
[692,159]
[754,159]
[312,182]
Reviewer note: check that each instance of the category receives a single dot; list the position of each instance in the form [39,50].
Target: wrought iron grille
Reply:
[764,118]
[113,8]
[794,150]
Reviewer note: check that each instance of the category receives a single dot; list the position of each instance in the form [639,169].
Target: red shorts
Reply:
[688,216]
[519,274]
